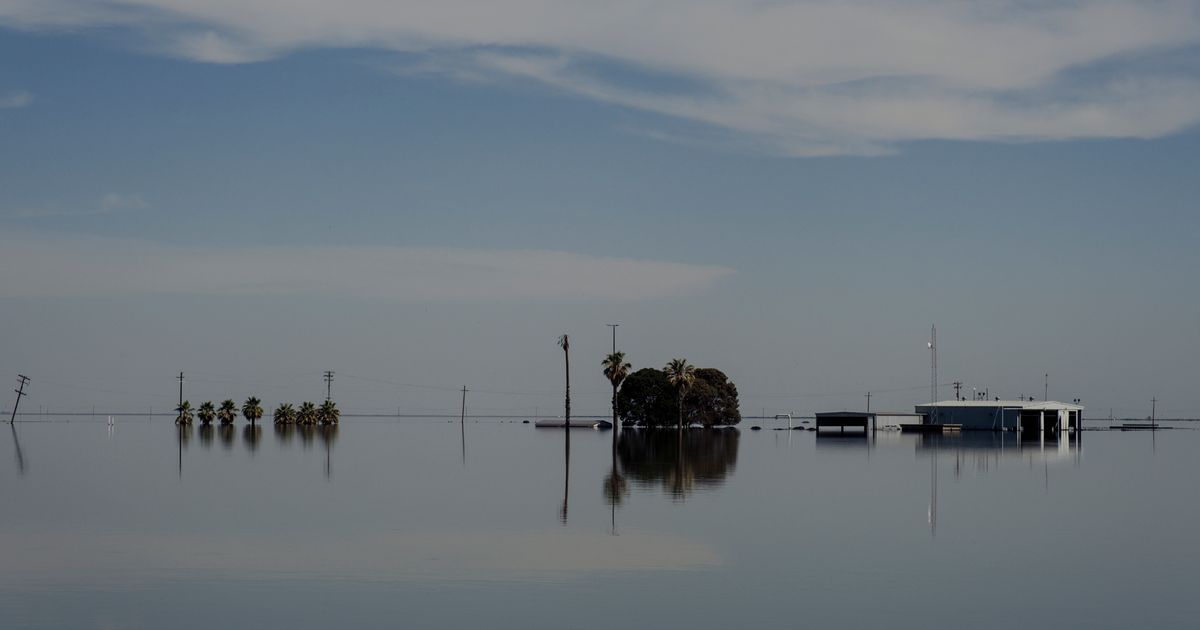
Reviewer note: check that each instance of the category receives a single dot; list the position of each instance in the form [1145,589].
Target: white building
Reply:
[1003,415]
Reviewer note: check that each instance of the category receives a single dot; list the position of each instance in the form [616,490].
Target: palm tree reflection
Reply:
[227,434]
[616,488]
[285,432]
[206,435]
[252,435]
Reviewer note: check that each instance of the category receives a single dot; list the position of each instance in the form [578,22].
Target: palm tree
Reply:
[252,410]
[681,375]
[206,413]
[307,413]
[329,413]
[228,412]
[285,414]
[184,413]
[616,369]
[565,344]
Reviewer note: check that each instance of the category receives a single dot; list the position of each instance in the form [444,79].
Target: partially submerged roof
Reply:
[1047,405]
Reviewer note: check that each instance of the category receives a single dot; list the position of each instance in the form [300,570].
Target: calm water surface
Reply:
[408,524]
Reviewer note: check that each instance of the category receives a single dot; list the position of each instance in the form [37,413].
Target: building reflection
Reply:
[677,462]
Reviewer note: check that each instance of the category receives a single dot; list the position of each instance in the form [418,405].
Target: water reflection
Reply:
[328,435]
[252,435]
[679,462]
[17,444]
[852,440]
[227,434]
[183,434]
[616,488]
[562,510]
[284,433]
[206,435]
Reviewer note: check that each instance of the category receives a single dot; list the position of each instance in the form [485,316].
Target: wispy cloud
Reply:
[15,99]
[107,204]
[805,77]
[117,201]
[41,265]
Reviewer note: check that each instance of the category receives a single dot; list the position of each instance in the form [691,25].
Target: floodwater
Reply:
[429,524]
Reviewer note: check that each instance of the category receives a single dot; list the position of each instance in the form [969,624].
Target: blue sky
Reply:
[254,195]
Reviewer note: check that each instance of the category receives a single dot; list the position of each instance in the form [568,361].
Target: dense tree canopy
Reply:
[712,400]
[648,399]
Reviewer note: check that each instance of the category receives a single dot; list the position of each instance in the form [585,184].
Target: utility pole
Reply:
[614,335]
[868,402]
[180,377]
[1046,389]
[462,425]
[328,384]
[1153,409]
[957,389]
[20,392]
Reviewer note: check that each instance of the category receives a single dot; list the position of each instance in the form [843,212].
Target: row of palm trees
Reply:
[228,412]
[252,410]
[679,372]
[308,413]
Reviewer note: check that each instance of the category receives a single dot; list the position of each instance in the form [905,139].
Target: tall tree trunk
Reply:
[679,426]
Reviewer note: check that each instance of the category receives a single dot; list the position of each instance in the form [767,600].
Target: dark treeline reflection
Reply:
[307,434]
[252,435]
[285,434]
[679,462]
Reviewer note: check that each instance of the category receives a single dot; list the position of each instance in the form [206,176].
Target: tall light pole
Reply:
[933,364]
[614,335]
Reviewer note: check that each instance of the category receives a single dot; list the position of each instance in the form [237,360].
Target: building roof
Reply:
[1048,405]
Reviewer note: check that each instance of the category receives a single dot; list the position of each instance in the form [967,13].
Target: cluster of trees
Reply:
[679,394]
[308,413]
[228,412]
[252,410]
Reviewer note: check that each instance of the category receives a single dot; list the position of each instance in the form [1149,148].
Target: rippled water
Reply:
[419,524]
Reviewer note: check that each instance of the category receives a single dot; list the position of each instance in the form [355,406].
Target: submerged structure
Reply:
[1046,416]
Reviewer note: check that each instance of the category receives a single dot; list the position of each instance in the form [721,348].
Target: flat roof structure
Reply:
[1004,415]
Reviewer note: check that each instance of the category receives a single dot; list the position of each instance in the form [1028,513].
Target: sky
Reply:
[425,195]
